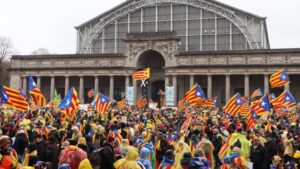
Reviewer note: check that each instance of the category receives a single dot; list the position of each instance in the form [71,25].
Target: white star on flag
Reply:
[283,77]
[238,101]
[67,102]
[103,100]
[263,104]
[287,98]
[5,96]
[198,94]
[33,84]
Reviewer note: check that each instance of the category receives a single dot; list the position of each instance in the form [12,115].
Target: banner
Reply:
[170,96]
[130,95]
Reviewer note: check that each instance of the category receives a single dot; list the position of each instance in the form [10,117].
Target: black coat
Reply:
[20,143]
[40,147]
[52,155]
[270,150]
[257,157]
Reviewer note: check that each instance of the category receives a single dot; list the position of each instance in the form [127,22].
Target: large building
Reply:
[222,48]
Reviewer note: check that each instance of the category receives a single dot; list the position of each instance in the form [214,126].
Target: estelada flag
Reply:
[12,98]
[141,75]
[279,79]
[36,93]
[195,95]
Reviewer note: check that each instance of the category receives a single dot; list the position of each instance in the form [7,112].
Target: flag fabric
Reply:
[257,93]
[91,93]
[37,95]
[225,147]
[211,102]
[123,104]
[245,110]
[251,120]
[285,99]
[186,122]
[32,104]
[102,103]
[13,98]
[181,104]
[141,102]
[141,75]
[23,93]
[233,105]
[70,104]
[262,106]
[195,95]
[279,79]
[246,99]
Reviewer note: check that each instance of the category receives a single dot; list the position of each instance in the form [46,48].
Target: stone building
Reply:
[222,48]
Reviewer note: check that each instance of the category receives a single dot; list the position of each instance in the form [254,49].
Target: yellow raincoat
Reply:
[129,162]
[85,164]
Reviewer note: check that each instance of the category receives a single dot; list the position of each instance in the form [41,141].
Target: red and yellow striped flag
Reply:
[13,98]
[36,93]
[141,75]
[279,79]
[141,102]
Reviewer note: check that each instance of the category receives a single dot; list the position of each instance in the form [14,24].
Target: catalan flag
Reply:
[37,95]
[251,120]
[13,98]
[123,104]
[195,95]
[285,99]
[233,105]
[245,110]
[279,79]
[102,103]
[212,102]
[23,93]
[262,106]
[256,93]
[141,102]
[141,75]
[186,122]
[70,104]
[181,104]
[225,147]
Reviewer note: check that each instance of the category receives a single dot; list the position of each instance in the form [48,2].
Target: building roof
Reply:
[67,56]
[95,19]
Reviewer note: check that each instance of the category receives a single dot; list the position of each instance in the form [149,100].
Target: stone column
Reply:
[175,89]
[209,86]
[81,89]
[38,82]
[167,82]
[111,87]
[126,82]
[134,84]
[246,89]
[266,83]
[67,85]
[24,84]
[52,87]
[227,87]
[96,85]
[192,81]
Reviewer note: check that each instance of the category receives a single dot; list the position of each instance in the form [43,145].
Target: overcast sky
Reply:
[49,24]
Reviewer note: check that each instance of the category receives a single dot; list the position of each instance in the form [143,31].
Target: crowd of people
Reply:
[190,138]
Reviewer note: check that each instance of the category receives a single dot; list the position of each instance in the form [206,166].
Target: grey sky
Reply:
[32,24]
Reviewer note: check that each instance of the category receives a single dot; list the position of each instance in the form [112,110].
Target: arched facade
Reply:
[222,48]
[200,25]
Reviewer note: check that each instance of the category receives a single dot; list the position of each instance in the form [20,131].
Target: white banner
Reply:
[170,96]
[130,95]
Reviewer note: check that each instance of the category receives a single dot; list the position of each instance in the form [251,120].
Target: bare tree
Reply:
[41,51]
[6,50]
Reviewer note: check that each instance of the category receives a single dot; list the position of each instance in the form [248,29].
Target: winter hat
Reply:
[144,151]
[4,140]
